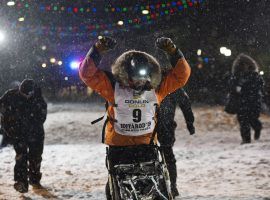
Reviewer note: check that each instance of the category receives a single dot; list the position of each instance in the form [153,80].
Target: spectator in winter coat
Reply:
[6,140]
[167,126]
[24,112]
[246,86]
[132,90]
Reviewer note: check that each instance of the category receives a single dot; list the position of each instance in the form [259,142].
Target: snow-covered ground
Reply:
[212,165]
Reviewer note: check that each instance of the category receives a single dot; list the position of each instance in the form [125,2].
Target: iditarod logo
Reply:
[136,127]
[136,103]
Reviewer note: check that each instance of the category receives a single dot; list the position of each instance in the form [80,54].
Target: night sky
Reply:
[65,30]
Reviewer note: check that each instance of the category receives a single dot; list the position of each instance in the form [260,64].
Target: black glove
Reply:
[166,44]
[191,129]
[105,43]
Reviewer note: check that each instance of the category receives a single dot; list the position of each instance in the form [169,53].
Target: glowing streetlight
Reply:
[60,63]
[228,52]
[66,78]
[120,23]
[43,47]
[44,65]
[10,3]
[2,37]
[52,60]
[222,50]
[21,19]
[225,51]
[199,52]
[145,12]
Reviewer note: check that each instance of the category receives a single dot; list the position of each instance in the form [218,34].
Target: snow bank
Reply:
[211,164]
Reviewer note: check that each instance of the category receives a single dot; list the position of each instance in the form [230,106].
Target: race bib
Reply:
[134,113]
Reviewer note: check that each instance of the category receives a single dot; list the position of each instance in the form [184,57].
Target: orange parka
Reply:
[98,80]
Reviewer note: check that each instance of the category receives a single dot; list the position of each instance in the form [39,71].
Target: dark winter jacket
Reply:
[14,111]
[166,123]
[23,117]
[247,85]
[248,88]
[38,109]
[37,113]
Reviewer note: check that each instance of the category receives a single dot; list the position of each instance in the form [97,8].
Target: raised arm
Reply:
[89,72]
[178,76]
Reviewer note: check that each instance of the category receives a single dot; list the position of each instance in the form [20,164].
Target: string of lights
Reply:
[89,8]
[104,28]
[78,31]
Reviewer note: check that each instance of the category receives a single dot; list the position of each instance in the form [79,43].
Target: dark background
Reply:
[240,25]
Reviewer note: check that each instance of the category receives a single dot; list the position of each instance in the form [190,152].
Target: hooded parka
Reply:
[246,86]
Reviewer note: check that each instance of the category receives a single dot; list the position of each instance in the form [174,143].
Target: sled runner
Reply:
[137,173]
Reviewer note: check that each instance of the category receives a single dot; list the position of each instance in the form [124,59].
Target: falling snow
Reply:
[212,165]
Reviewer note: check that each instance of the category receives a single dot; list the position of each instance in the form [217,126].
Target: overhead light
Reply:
[43,47]
[52,60]
[145,12]
[44,65]
[2,36]
[60,62]
[222,50]
[21,19]
[228,52]
[225,51]
[10,3]
[66,78]
[120,23]
[199,52]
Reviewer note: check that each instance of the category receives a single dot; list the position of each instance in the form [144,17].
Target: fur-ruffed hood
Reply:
[119,67]
[244,63]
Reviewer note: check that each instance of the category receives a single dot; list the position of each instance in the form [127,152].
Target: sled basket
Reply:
[139,180]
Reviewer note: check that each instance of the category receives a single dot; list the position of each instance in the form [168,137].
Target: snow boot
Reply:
[36,184]
[246,138]
[21,187]
[245,142]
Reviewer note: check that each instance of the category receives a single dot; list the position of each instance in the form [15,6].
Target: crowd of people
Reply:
[142,98]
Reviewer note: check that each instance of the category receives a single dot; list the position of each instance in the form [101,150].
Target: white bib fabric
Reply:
[134,113]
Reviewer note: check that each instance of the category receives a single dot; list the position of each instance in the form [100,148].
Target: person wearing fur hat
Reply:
[133,91]
[24,112]
[246,91]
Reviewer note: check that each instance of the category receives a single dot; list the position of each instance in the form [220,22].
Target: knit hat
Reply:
[27,86]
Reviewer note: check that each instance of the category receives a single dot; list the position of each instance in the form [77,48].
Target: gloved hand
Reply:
[105,43]
[191,129]
[166,44]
